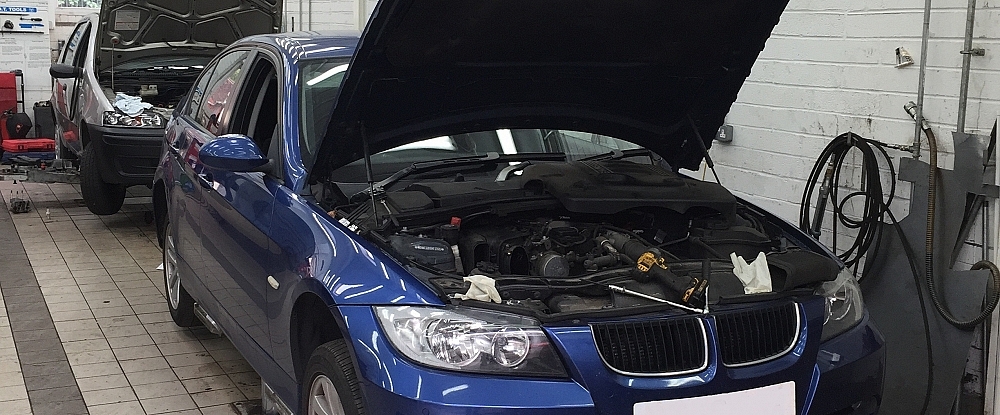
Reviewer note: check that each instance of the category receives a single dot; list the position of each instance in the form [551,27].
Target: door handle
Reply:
[205,179]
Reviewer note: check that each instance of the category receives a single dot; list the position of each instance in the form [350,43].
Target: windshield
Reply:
[575,145]
[320,81]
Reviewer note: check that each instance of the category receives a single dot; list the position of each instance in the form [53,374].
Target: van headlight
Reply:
[471,340]
[844,305]
[146,119]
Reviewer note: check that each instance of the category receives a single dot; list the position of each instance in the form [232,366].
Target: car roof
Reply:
[297,46]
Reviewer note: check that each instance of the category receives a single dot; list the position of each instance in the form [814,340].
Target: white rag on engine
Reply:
[756,278]
[483,289]
[130,105]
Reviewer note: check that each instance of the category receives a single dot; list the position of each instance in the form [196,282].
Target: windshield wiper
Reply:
[490,157]
[618,154]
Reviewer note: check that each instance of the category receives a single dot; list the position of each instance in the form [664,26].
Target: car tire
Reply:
[331,381]
[101,198]
[179,302]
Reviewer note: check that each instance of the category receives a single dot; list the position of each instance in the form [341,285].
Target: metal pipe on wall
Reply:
[919,116]
[362,14]
[963,92]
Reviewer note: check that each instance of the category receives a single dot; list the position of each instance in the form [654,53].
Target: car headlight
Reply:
[844,305]
[146,119]
[471,340]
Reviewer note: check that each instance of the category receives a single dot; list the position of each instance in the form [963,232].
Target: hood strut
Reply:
[704,150]
[368,170]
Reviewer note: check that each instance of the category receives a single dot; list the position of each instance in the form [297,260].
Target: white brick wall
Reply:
[829,68]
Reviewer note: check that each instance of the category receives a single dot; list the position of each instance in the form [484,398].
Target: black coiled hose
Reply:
[874,213]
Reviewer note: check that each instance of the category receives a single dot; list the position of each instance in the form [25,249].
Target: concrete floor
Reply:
[84,326]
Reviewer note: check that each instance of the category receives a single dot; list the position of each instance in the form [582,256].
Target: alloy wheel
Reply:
[170,273]
[323,398]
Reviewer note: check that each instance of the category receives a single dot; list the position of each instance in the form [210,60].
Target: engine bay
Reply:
[163,88]
[572,237]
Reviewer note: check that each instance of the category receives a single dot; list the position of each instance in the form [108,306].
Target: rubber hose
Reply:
[875,199]
[929,251]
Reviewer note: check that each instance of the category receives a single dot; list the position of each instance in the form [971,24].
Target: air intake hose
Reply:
[650,263]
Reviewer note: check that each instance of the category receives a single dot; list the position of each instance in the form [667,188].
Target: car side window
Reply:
[198,92]
[257,112]
[320,81]
[81,50]
[219,92]
[75,40]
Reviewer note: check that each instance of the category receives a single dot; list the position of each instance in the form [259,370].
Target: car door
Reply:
[187,197]
[240,204]
[203,118]
[66,91]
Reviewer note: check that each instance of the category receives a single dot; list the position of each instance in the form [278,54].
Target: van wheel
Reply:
[101,198]
[179,302]
[331,385]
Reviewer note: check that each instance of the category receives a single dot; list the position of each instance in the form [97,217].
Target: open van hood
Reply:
[631,69]
[136,29]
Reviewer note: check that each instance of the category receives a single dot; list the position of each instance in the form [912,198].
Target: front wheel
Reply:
[179,302]
[331,385]
[101,198]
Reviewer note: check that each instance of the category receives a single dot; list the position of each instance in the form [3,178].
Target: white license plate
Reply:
[771,400]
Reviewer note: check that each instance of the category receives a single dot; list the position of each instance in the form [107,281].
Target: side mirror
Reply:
[61,70]
[233,152]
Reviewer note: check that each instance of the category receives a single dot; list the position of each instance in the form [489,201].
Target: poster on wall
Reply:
[25,46]
[24,17]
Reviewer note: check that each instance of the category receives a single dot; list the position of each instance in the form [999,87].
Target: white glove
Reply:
[756,277]
[483,289]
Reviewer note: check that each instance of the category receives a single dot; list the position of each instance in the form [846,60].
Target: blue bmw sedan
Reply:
[476,208]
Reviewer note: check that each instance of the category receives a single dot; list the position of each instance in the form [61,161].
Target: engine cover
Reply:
[427,251]
[607,187]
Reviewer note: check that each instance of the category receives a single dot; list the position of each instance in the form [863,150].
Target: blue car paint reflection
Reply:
[233,153]
[254,226]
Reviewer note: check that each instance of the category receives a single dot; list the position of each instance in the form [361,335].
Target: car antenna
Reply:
[368,171]
[704,150]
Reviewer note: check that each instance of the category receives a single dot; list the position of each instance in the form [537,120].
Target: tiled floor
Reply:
[100,286]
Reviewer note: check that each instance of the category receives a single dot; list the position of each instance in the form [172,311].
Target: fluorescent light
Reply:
[331,48]
[325,75]
[507,142]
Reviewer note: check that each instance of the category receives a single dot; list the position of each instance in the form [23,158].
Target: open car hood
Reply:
[136,29]
[631,69]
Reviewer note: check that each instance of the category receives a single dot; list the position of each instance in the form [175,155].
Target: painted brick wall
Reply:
[829,68]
